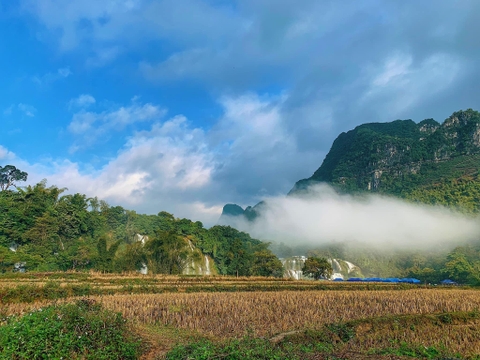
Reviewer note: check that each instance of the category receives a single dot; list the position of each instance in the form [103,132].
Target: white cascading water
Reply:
[144,269]
[207,265]
[336,270]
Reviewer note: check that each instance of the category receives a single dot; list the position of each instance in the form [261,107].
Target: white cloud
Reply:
[48,78]
[89,125]
[180,168]
[259,154]
[402,84]
[64,72]
[27,110]
[324,217]
[164,168]
[104,56]
[82,101]
[5,154]
[24,109]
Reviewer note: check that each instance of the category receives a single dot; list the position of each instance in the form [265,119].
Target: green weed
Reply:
[80,331]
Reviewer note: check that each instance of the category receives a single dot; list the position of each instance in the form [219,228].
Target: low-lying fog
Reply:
[322,216]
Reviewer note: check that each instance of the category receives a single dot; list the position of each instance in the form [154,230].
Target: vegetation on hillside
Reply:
[426,162]
[43,229]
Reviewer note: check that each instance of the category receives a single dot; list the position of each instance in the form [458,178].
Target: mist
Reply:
[321,216]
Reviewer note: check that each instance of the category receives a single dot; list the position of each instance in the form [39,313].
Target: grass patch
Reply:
[77,331]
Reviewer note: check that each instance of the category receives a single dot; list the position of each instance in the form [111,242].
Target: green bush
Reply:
[78,331]
[243,349]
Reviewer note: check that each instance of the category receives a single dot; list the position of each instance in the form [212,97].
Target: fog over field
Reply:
[322,216]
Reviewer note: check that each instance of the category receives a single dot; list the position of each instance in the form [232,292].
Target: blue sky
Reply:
[185,105]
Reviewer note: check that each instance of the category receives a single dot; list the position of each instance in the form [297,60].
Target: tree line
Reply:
[44,229]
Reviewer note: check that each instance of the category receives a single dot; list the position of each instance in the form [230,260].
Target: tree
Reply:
[265,263]
[104,261]
[319,268]
[167,253]
[9,175]
[458,267]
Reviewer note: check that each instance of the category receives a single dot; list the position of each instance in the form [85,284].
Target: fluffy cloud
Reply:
[83,101]
[167,167]
[324,217]
[6,155]
[325,66]
[257,154]
[176,166]
[88,126]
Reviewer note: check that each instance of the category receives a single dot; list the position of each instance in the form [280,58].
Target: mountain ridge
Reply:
[428,162]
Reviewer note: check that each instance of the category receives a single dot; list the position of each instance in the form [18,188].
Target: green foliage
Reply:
[56,232]
[82,330]
[9,175]
[318,268]
[427,162]
[233,350]
[167,253]
[105,258]
[411,350]
[266,264]
[234,251]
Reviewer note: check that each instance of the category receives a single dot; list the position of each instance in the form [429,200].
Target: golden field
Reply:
[170,310]
[269,313]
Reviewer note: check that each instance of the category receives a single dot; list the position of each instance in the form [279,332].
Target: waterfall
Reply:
[207,265]
[293,267]
[336,265]
[144,269]
[13,246]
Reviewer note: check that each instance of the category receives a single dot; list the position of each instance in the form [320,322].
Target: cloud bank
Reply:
[322,217]
[281,80]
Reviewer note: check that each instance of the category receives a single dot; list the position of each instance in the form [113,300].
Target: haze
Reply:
[322,216]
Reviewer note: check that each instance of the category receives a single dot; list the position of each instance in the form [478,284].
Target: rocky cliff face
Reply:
[233,212]
[196,262]
[397,156]
[426,162]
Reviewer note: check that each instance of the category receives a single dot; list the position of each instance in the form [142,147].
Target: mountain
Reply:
[425,162]
[234,211]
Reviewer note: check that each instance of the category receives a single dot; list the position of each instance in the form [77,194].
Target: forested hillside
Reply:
[44,229]
[426,162]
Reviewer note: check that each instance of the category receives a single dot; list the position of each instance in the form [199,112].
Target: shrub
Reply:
[79,331]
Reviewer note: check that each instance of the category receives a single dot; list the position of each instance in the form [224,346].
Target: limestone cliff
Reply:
[400,157]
